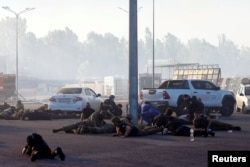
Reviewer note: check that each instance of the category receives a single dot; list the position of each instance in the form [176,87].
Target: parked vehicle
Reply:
[243,98]
[171,92]
[74,99]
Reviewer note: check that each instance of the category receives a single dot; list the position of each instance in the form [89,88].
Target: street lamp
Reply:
[17,16]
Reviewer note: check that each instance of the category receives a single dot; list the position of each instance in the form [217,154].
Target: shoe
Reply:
[237,128]
[205,133]
[34,155]
[55,130]
[211,133]
[165,131]
[60,153]
[76,131]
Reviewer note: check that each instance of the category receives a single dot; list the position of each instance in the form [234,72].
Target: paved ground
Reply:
[104,150]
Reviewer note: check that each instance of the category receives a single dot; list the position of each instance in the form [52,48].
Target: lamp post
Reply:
[17,17]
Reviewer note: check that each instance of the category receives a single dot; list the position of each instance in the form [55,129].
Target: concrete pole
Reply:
[17,18]
[153,59]
[133,62]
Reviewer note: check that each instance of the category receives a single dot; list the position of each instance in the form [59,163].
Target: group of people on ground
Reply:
[110,108]
[11,112]
[19,112]
[92,121]
[156,121]
[196,119]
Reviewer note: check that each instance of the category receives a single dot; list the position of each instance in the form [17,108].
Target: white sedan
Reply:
[74,99]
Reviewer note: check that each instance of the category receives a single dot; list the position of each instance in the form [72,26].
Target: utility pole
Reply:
[153,59]
[133,62]
[17,18]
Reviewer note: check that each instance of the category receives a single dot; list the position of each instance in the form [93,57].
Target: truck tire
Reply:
[228,106]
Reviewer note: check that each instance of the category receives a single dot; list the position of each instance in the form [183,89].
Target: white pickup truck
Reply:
[170,93]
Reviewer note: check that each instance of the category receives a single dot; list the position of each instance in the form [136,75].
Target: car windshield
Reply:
[70,91]
[247,91]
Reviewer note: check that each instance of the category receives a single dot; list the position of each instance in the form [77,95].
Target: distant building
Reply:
[146,80]
[115,85]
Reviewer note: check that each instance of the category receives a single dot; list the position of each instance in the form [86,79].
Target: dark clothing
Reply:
[217,126]
[118,112]
[200,107]
[122,129]
[35,142]
[4,106]
[177,128]
[183,131]
[160,120]
[109,105]
[192,108]
[163,119]
[173,125]
[87,112]
[201,123]
[35,115]
[37,148]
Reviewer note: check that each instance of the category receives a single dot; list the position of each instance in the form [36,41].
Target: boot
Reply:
[60,153]
[205,133]
[211,133]
[56,130]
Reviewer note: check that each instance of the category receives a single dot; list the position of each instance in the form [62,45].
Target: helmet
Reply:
[119,105]
[111,97]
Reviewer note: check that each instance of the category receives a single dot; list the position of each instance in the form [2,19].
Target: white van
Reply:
[243,98]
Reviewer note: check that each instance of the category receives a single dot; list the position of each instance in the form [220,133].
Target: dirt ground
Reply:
[98,150]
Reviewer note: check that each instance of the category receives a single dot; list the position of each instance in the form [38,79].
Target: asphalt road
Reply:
[103,150]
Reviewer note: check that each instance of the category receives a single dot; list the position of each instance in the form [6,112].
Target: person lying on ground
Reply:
[163,118]
[4,106]
[126,129]
[204,122]
[8,113]
[94,124]
[175,127]
[38,114]
[37,148]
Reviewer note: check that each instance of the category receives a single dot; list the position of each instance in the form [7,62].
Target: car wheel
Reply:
[228,106]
